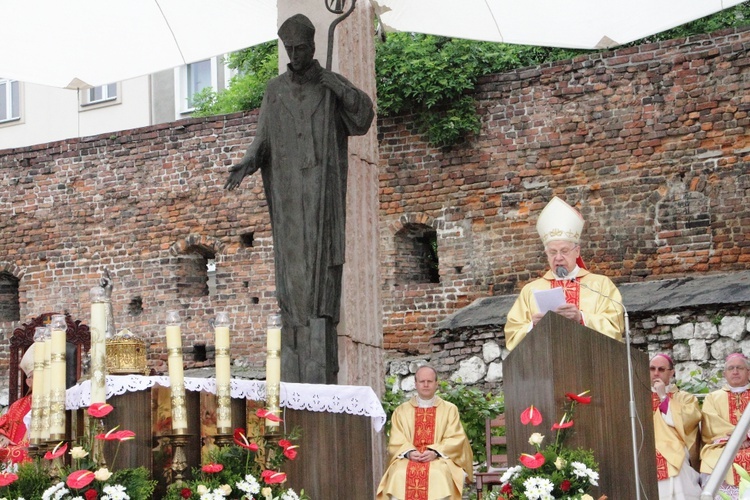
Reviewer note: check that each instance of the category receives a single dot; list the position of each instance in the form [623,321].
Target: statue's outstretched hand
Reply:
[238,172]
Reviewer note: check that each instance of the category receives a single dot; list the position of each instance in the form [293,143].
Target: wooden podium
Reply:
[560,356]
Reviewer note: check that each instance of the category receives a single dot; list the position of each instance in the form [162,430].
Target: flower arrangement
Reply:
[86,478]
[248,470]
[553,472]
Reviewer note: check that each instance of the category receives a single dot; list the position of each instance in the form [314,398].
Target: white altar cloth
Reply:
[351,399]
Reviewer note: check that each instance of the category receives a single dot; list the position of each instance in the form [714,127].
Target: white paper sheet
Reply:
[549,300]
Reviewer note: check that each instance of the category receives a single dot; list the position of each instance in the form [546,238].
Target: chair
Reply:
[497,462]
[78,342]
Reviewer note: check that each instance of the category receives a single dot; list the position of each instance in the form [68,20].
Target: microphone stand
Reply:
[631,403]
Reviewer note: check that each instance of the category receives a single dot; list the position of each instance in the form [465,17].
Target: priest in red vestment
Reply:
[431,458]
[722,410]
[16,422]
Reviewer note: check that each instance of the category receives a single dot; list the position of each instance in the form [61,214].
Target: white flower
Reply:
[510,474]
[266,492]
[78,452]
[289,495]
[560,463]
[580,470]
[115,492]
[587,497]
[226,489]
[102,474]
[536,439]
[250,485]
[201,489]
[78,498]
[49,492]
[538,488]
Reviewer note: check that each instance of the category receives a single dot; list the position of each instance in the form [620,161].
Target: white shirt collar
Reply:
[425,403]
[739,389]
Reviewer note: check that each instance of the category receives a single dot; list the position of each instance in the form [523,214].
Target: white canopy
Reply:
[579,24]
[78,43]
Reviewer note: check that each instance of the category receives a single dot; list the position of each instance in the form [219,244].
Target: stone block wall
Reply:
[650,143]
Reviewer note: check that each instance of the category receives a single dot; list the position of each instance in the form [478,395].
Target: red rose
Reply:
[186,493]
[565,485]
[91,495]
[507,489]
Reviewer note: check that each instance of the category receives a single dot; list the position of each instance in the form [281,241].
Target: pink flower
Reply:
[57,451]
[268,415]
[100,410]
[79,479]
[7,478]
[212,468]
[240,439]
[273,477]
[579,398]
[562,425]
[531,414]
[532,462]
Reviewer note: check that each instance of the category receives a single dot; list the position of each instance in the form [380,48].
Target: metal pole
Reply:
[727,456]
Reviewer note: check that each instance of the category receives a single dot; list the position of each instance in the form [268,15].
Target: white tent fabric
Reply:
[579,24]
[79,43]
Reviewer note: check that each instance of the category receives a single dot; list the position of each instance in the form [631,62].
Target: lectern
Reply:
[560,356]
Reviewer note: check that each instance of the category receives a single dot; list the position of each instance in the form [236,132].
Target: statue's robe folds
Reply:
[448,473]
[301,147]
[599,312]
[722,410]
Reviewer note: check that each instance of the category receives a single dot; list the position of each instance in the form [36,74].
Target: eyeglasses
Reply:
[735,368]
[563,252]
[660,369]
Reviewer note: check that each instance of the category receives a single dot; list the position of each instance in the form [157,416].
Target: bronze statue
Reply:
[301,148]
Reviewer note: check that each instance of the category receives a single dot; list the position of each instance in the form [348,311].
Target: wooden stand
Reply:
[560,356]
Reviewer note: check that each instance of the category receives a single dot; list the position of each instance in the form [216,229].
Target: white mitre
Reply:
[559,221]
[27,361]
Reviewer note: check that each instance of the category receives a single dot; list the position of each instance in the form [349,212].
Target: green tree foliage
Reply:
[428,75]
[255,66]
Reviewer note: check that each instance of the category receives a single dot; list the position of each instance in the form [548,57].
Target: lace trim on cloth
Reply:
[350,399]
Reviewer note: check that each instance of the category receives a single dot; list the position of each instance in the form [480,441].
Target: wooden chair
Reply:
[78,342]
[497,462]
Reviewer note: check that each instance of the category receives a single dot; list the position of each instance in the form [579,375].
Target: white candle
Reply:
[37,386]
[47,385]
[176,377]
[273,365]
[98,328]
[223,372]
[57,377]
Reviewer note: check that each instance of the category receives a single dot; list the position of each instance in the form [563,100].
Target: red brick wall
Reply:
[650,143]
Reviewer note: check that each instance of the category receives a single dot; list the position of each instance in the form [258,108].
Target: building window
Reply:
[10,308]
[10,100]
[101,93]
[194,78]
[196,275]
[417,255]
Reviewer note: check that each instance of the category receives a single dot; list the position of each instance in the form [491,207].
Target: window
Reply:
[198,78]
[417,255]
[10,308]
[10,101]
[101,93]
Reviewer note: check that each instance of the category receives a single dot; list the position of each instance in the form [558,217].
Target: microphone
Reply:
[561,271]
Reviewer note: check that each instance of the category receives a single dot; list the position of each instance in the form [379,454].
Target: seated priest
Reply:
[676,418]
[722,409]
[590,299]
[430,456]
[16,422]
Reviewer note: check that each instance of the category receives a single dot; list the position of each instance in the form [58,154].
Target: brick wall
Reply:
[650,143]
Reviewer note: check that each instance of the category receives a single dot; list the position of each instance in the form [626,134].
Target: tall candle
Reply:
[57,378]
[223,373]
[273,365]
[37,386]
[47,384]
[98,328]
[176,377]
